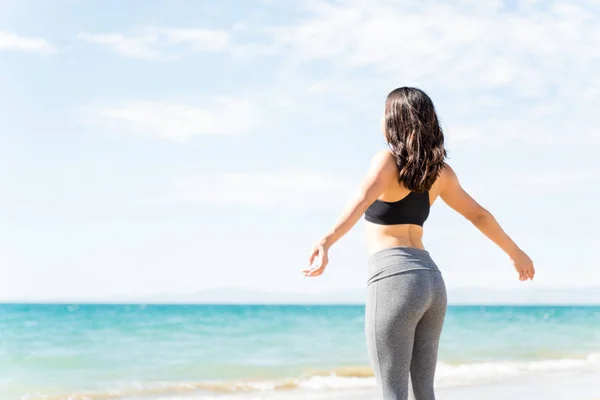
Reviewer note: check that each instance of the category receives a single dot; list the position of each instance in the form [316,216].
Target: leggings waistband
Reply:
[396,260]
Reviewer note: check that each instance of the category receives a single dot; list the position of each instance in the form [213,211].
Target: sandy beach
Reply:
[567,386]
[554,386]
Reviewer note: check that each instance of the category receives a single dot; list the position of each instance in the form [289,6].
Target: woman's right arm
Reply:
[460,201]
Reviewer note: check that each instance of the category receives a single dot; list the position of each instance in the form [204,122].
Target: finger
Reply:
[318,270]
[313,273]
[522,275]
[310,271]
[319,254]
[311,258]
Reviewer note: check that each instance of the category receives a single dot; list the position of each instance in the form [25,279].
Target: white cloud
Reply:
[539,62]
[178,121]
[453,44]
[282,189]
[134,47]
[155,43]
[197,39]
[14,42]
[541,58]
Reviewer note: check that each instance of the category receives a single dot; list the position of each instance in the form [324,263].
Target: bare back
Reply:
[379,237]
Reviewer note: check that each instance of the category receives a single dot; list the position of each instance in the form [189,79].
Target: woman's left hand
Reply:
[320,252]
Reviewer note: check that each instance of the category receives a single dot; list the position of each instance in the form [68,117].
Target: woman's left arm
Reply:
[381,173]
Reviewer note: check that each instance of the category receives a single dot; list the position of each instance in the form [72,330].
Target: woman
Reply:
[406,297]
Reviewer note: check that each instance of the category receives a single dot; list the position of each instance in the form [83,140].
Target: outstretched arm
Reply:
[381,173]
[459,200]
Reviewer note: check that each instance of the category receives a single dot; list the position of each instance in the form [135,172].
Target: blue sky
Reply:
[176,146]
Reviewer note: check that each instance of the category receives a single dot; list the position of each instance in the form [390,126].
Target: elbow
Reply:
[480,217]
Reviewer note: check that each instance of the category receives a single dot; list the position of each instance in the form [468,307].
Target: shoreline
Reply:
[559,385]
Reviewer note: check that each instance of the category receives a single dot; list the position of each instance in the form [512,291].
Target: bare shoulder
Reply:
[447,171]
[383,160]
[447,176]
[383,168]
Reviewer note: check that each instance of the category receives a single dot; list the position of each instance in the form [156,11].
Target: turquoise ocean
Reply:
[266,352]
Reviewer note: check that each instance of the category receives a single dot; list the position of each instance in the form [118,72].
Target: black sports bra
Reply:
[412,209]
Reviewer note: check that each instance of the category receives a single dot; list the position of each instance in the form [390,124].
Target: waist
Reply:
[380,237]
[397,260]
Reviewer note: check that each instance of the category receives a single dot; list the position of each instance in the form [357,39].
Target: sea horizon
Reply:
[143,303]
[553,296]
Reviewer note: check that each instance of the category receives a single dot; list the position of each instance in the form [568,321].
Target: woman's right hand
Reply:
[319,252]
[523,265]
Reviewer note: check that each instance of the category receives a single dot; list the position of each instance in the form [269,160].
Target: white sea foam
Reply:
[333,385]
[448,375]
[336,383]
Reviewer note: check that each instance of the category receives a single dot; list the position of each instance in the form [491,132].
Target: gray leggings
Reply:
[405,311]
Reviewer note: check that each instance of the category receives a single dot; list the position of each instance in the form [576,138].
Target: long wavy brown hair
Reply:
[415,137]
